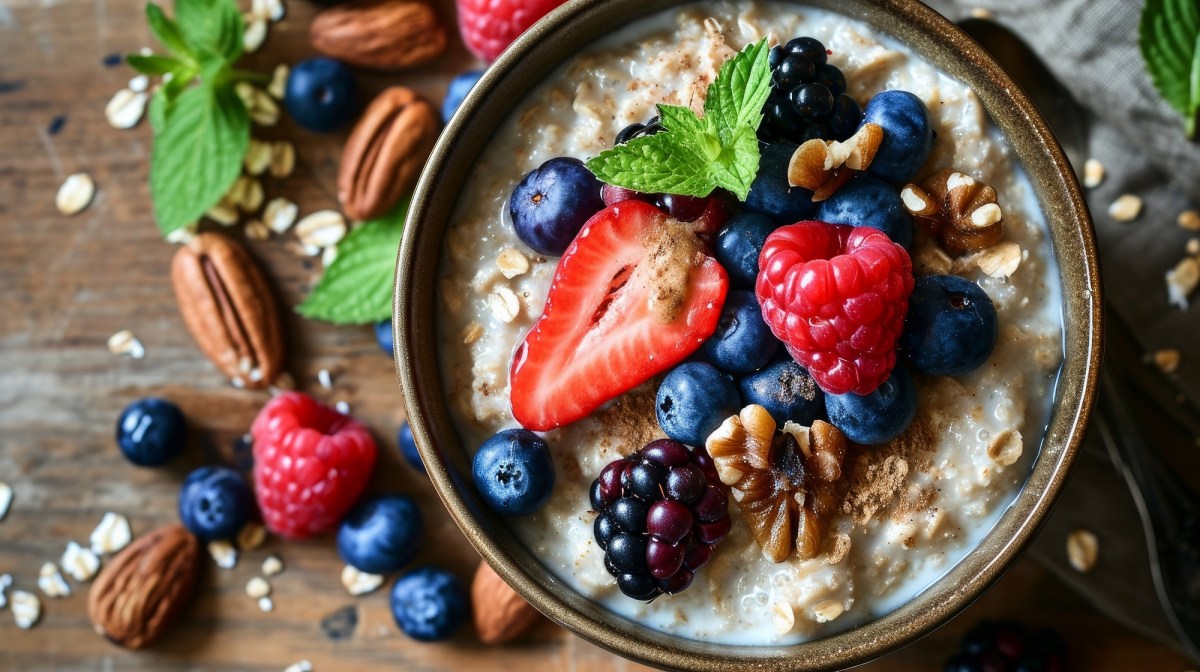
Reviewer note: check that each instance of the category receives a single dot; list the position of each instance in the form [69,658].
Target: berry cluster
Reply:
[660,513]
[808,96]
[1008,647]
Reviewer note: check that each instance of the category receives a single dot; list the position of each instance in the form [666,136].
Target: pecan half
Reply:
[141,591]
[380,34]
[956,210]
[385,154]
[785,483]
[229,308]
[823,167]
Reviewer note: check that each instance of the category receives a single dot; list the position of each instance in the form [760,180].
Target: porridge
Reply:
[899,511]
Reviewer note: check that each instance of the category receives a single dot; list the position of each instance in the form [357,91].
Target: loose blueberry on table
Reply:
[321,94]
[380,535]
[429,604]
[151,432]
[214,503]
[408,447]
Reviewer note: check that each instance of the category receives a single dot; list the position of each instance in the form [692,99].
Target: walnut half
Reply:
[956,210]
[823,167]
[785,483]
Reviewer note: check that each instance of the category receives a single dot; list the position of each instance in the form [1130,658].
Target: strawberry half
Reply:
[633,296]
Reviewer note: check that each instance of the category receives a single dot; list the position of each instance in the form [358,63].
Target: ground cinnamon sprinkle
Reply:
[629,422]
[878,475]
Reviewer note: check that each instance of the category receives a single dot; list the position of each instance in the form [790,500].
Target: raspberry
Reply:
[310,464]
[660,513]
[836,296]
[489,26]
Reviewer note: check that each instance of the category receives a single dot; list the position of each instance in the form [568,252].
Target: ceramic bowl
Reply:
[521,68]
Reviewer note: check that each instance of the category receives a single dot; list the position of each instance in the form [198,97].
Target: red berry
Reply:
[663,559]
[489,26]
[836,296]
[670,521]
[311,463]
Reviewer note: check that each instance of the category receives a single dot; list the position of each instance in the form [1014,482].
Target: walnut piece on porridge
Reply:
[785,483]
[958,211]
[824,166]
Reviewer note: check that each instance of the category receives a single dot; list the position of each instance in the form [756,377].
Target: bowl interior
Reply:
[537,54]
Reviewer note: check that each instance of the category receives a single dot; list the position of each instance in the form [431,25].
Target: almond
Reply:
[385,153]
[380,34]
[141,591]
[501,615]
[229,308]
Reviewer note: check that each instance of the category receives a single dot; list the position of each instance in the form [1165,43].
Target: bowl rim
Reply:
[577,24]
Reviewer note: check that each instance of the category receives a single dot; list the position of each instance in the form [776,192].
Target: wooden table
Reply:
[70,282]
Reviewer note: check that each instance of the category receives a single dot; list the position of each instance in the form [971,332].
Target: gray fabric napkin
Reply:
[1091,47]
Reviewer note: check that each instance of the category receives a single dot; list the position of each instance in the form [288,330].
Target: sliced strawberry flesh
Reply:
[633,296]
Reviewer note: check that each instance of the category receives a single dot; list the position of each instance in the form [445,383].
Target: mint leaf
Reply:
[694,155]
[198,150]
[166,31]
[1169,35]
[153,65]
[213,26]
[357,287]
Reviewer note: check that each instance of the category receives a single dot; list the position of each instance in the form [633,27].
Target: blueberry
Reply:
[320,94]
[907,135]
[866,201]
[460,86]
[552,203]
[150,432]
[408,447]
[878,417]
[738,246]
[693,400]
[951,327]
[383,336]
[810,48]
[743,342]
[380,534]
[786,390]
[214,503]
[514,472]
[429,604]
[771,195]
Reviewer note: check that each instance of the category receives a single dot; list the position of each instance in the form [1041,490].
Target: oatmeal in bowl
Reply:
[750,322]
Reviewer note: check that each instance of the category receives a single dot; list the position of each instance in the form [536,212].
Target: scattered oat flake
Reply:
[321,229]
[224,213]
[79,562]
[783,617]
[358,582]
[265,605]
[6,498]
[302,666]
[125,109]
[329,255]
[279,76]
[1193,246]
[258,156]
[272,566]
[125,343]
[51,582]
[325,379]
[1167,360]
[982,13]
[1126,208]
[258,588]
[1093,173]
[1006,448]
[111,535]
[139,83]
[280,214]
[1182,281]
[283,158]
[504,304]
[256,230]
[512,263]
[999,261]
[472,332]
[1083,549]
[343,407]
[75,193]
[255,35]
[251,536]
[26,609]
[827,611]
[1189,220]
[223,553]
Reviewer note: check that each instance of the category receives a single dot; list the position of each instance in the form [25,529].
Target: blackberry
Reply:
[808,96]
[638,130]
[660,512]
[1008,647]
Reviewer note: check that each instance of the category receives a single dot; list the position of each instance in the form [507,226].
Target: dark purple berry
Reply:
[667,453]
[610,480]
[980,638]
[630,514]
[713,506]
[776,55]
[685,484]
[698,556]
[663,559]
[596,496]
[794,71]
[669,521]
[627,552]
[813,102]
[846,117]
[604,529]
[683,208]
[1010,640]
[832,79]
[640,586]
[712,533]
[628,133]
[964,662]
[993,661]
[646,479]
[677,583]
[809,48]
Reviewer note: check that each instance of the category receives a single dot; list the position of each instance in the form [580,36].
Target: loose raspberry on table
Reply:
[489,26]
[311,463]
[836,296]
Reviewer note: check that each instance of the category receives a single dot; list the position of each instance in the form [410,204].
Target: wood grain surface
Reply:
[68,283]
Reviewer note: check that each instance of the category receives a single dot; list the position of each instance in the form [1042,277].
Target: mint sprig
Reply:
[1169,35]
[357,286]
[695,155]
[201,125]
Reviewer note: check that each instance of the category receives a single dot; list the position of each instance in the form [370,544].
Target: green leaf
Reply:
[166,31]
[693,155]
[213,26]
[357,287]
[735,99]
[153,65]
[197,155]
[158,110]
[1169,35]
